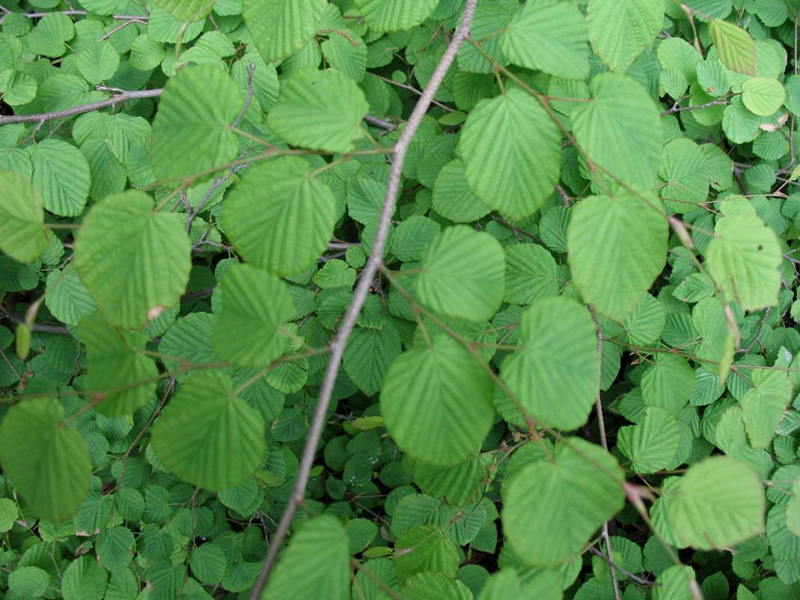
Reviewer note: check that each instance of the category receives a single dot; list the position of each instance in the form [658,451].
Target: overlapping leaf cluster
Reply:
[575,374]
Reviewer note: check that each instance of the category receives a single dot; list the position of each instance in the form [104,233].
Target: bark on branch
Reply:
[370,270]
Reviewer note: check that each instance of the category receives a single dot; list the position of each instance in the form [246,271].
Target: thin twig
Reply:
[79,110]
[373,264]
[604,441]
[676,109]
[75,13]
[376,122]
[628,574]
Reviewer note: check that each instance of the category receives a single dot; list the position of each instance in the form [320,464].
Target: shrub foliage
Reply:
[414,299]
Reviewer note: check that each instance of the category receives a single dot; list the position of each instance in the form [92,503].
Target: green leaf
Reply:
[98,62]
[335,100]
[552,507]
[192,128]
[717,503]
[763,405]
[652,443]
[684,173]
[463,274]
[554,373]
[208,563]
[84,580]
[256,305]
[115,549]
[67,298]
[531,273]
[393,15]
[280,28]
[736,48]
[620,129]
[617,247]
[208,436]
[762,96]
[667,383]
[187,11]
[8,514]
[517,176]
[425,549]
[279,217]
[318,558]
[61,174]
[452,197]
[135,263]
[620,30]
[47,462]
[29,581]
[437,403]
[369,354]
[744,259]
[435,586]
[116,362]
[549,36]
[22,233]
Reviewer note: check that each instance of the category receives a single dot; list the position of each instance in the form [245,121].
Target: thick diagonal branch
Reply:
[370,270]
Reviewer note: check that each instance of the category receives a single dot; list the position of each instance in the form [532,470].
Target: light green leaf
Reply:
[552,507]
[256,304]
[717,503]
[620,130]
[135,263]
[620,30]
[318,558]
[736,48]
[762,96]
[8,514]
[61,174]
[425,549]
[652,443]
[463,274]
[116,361]
[744,259]
[192,128]
[393,15]
[67,298]
[435,586]
[763,405]
[617,247]
[667,383]
[187,11]
[335,100]
[437,403]
[452,197]
[554,374]
[517,176]
[207,436]
[549,36]
[47,463]
[22,233]
[280,28]
[278,217]
[684,172]
[98,62]
[645,324]
[531,273]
